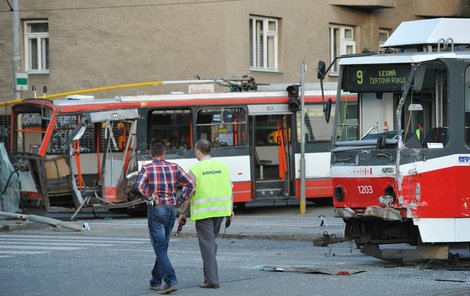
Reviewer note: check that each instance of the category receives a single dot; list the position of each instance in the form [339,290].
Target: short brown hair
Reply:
[204,146]
[157,148]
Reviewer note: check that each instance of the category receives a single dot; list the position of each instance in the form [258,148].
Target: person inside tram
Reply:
[415,140]
[420,132]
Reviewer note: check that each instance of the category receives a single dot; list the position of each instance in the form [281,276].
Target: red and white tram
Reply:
[92,148]
[400,160]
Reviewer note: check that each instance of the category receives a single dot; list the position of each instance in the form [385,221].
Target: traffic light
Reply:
[293,94]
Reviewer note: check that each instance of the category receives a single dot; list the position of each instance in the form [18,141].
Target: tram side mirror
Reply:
[78,132]
[419,78]
[327,110]
[321,70]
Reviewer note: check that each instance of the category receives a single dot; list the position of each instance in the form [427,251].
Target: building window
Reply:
[341,42]
[264,43]
[36,40]
[383,36]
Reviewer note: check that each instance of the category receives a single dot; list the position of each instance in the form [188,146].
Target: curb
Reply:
[306,237]
[272,236]
[22,226]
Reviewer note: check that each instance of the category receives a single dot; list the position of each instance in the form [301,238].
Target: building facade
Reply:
[67,45]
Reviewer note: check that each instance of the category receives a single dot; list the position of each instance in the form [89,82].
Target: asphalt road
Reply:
[52,263]
[258,256]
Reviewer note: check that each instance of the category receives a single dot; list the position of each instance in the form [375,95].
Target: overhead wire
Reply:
[8,2]
[122,6]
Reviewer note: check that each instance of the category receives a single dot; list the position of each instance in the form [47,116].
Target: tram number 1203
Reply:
[365,189]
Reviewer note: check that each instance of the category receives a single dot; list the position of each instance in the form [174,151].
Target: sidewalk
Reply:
[273,222]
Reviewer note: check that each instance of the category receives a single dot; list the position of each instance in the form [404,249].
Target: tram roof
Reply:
[430,31]
[227,95]
[170,97]
[402,58]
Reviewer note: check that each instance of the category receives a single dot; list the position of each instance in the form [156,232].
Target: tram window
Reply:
[348,128]
[223,127]
[426,126]
[120,134]
[316,128]
[63,128]
[29,128]
[267,130]
[172,126]
[467,106]
[116,135]
[5,132]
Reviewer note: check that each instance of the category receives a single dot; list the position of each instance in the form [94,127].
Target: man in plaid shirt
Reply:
[157,182]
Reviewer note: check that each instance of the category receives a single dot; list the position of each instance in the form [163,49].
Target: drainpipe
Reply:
[16,45]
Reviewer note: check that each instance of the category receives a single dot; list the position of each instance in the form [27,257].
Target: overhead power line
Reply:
[8,2]
[123,6]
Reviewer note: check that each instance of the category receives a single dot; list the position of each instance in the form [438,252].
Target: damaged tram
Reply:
[74,153]
[85,152]
[401,149]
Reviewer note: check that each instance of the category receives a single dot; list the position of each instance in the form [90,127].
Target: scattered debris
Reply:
[86,226]
[453,281]
[323,221]
[45,220]
[313,270]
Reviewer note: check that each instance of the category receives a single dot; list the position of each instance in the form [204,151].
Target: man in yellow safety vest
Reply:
[211,202]
[420,131]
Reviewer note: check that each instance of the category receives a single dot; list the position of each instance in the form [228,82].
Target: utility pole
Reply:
[303,69]
[16,46]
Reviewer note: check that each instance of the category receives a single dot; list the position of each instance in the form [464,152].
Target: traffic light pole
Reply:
[303,68]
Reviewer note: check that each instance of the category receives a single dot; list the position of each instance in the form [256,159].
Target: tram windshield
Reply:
[383,102]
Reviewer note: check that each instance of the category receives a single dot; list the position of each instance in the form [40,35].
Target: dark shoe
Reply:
[209,286]
[168,289]
[155,288]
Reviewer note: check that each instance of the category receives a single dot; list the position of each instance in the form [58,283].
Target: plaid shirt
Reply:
[158,180]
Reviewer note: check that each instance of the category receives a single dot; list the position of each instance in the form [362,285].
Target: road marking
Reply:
[71,237]
[19,253]
[16,247]
[55,243]
[23,244]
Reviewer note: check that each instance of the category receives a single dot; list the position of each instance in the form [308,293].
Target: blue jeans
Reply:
[160,222]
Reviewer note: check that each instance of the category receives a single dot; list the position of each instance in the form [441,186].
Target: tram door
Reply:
[271,155]
[377,113]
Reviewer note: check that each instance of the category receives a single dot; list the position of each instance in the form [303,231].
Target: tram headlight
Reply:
[339,193]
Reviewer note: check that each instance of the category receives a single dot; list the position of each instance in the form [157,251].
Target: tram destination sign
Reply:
[375,77]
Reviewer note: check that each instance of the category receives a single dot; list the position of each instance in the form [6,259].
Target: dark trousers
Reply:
[207,231]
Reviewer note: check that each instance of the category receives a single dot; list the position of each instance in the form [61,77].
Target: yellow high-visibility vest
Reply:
[418,133]
[213,196]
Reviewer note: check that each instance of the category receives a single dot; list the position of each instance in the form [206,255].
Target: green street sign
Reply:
[21,81]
